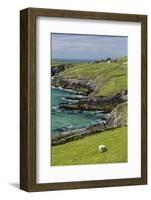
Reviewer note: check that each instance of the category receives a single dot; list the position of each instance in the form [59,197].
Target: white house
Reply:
[108,60]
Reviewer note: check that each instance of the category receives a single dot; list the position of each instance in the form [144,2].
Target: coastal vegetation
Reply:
[108,78]
[102,87]
[85,151]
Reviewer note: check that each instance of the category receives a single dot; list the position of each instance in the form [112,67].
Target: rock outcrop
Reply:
[118,116]
[81,86]
[104,104]
[59,68]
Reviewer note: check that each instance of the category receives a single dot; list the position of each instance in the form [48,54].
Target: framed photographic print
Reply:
[83,99]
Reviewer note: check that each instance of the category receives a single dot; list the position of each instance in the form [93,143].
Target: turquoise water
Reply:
[63,120]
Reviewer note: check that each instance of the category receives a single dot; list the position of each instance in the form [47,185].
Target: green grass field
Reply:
[85,151]
[110,78]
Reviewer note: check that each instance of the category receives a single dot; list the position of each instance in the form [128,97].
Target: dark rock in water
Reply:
[60,129]
[105,104]
[63,129]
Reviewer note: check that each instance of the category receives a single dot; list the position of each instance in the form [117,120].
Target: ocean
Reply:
[64,120]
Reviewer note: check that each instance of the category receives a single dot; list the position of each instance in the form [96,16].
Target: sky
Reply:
[87,47]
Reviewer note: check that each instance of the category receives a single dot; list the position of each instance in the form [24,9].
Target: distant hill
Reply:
[56,62]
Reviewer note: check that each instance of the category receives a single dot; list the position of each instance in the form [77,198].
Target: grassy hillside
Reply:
[85,151]
[110,78]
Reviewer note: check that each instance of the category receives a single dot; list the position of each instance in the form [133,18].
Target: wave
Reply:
[65,89]
[63,98]
[69,100]
[56,109]
[98,112]
[100,121]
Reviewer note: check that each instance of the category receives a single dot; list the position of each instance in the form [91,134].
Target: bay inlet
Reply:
[65,120]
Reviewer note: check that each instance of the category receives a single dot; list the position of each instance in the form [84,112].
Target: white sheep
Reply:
[102,148]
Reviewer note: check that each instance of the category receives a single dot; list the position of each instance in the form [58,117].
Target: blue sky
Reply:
[87,47]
